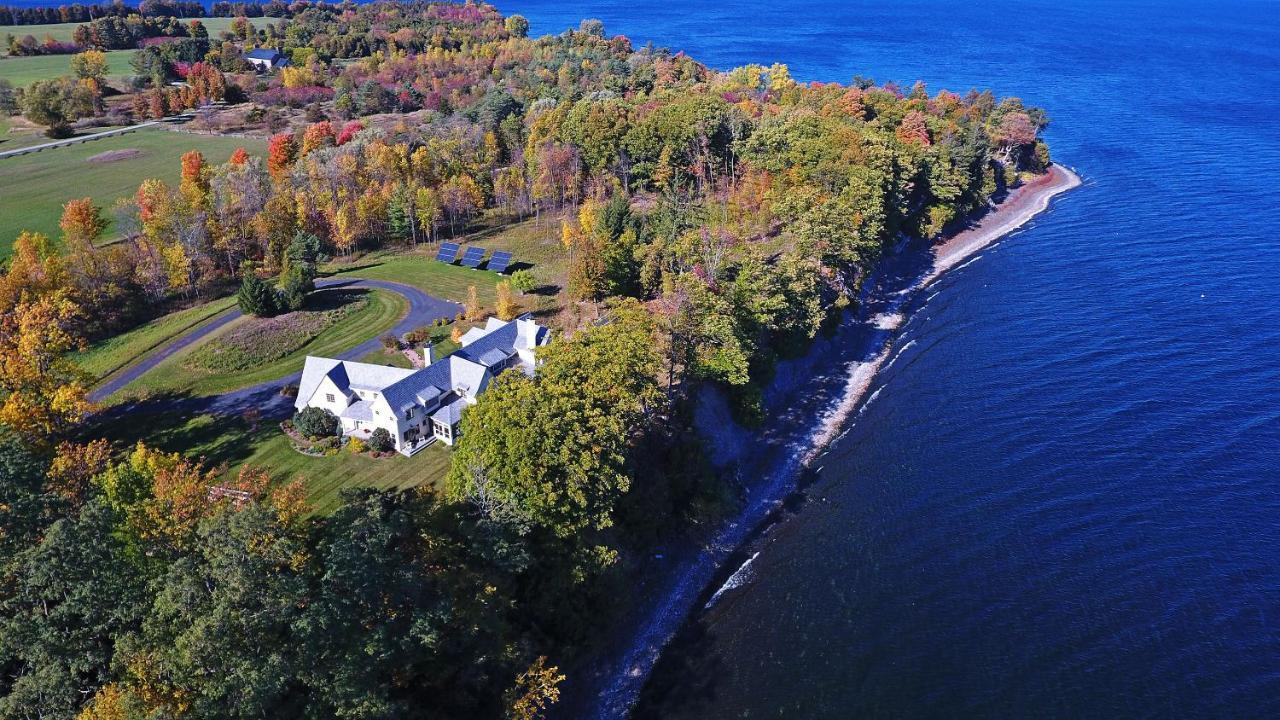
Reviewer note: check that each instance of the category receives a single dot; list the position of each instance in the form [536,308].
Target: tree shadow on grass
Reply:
[220,439]
[353,268]
[333,297]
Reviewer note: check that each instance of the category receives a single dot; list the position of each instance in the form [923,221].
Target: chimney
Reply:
[428,355]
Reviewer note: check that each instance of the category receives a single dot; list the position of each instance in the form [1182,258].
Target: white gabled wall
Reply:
[320,398]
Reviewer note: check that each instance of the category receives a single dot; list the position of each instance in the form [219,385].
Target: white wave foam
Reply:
[739,576]
[897,355]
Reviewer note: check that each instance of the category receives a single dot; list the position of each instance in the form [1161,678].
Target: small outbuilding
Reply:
[266,60]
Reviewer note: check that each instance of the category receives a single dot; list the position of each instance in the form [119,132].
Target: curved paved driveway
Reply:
[266,397]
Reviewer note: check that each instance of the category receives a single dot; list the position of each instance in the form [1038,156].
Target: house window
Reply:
[328,397]
[408,414]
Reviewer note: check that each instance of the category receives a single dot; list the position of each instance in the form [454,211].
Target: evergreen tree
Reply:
[256,297]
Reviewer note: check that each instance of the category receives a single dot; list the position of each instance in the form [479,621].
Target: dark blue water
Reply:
[1064,498]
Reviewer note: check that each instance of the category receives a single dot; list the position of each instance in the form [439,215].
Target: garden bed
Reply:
[262,340]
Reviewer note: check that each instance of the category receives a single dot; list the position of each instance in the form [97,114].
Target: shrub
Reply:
[390,342]
[356,446]
[381,440]
[522,281]
[419,336]
[314,422]
[59,131]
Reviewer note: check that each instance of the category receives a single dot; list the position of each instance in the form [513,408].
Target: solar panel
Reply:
[473,257]
[448,252]
[500,261]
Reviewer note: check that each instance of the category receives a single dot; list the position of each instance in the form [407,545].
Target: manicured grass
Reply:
[534,245]
[379,314]
[449,282]
[22,71]
[36,186]
[108,356]
[16,138]
[229,441]
[64,32]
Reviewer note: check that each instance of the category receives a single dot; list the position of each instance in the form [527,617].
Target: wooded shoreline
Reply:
[768,462]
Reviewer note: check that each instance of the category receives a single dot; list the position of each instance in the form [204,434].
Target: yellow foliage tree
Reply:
[177,266]
[111,702]
[472,309]
[589,217]
[45,392]
[536,689]
[568,234]
[506,304]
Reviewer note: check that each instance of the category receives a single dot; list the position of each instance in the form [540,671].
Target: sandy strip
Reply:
[804,424]
[1023,204]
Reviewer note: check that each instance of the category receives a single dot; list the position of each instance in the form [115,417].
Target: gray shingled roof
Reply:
[467,368]
[264,54]
[359,410]
[450,414]
[346,375]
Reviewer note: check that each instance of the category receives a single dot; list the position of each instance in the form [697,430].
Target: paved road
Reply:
[74,140]
[266,397]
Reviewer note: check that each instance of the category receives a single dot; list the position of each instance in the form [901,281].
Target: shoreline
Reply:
[770,461]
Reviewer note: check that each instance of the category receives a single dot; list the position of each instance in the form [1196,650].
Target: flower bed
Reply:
[262,340]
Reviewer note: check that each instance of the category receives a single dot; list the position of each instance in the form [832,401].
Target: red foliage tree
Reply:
[282,150]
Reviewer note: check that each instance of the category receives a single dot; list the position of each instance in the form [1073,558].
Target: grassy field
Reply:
[535,246]
[15,137]
[63,32]
[176,375]
[230,441]
[36,186]
[22,71]
[107,357]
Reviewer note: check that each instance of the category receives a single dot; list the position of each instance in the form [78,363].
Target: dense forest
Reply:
[718,220]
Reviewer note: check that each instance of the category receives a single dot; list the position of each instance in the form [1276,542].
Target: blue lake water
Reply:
[1063,499]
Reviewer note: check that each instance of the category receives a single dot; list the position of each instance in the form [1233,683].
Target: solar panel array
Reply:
[448,252]
[473,257]
[500,261]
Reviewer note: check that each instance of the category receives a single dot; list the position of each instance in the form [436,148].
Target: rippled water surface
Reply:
[1064,498]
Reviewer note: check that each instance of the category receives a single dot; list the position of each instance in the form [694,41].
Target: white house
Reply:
[266,60]
[419,406]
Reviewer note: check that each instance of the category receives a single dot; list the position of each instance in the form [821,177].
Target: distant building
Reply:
[419,406]
[266,60]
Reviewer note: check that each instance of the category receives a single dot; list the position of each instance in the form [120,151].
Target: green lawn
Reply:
[449,282]
[16,138]
[531,244]
[382,311]
[64,32]
[108,356]
[35,187]
[230,441]
[22,71]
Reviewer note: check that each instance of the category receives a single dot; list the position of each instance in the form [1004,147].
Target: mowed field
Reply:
[33,188]
[22,71]
[63,32]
